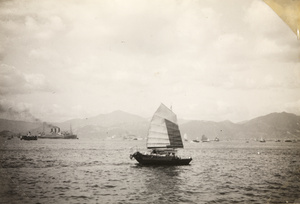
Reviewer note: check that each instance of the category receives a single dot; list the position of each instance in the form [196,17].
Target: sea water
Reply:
[90,170]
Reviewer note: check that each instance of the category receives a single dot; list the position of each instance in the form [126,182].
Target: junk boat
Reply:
[163,139]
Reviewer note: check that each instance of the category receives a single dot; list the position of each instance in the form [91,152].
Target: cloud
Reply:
[16,111]
[13,81]
[293,107]
[274,39]
[107,55]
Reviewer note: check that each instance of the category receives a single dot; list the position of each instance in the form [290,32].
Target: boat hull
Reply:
[70,137]
[58,137]
[152,159]
[26,137]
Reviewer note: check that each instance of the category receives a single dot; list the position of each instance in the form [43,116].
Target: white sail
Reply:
[204,138]
[164,131]
[185,137]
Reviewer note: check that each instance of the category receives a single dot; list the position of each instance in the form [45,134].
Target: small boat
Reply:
[28,137]
[262,140]
[288,140]
[31,137]
[185,137]
[163,139]
[204,139]
[196,140]
[216,139]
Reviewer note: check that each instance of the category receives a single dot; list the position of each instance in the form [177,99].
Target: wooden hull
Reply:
[70,137]
[26,137]
[153,159]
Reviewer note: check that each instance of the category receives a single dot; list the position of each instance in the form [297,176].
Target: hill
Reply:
[275,125]
[17,126]
[272,126]
[6,133]
[119,124]
[195,129]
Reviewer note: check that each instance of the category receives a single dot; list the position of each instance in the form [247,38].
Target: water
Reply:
[100,171]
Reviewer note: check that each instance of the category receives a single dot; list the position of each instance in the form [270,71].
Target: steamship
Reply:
[56,133]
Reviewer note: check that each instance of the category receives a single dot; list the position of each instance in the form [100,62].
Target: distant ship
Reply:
[55,133]
[262,140]
[288,140]
[185,137]
[204,139]
[196,140]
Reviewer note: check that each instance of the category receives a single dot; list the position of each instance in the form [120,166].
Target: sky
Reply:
[208,59]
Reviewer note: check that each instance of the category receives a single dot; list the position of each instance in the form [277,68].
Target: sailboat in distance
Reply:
[163,139]
[204,139]
[185,137]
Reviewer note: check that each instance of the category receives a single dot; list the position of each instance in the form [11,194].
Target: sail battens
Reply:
[174,134]
[164,131]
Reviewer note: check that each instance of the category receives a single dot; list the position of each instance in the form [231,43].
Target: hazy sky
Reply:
[210,60]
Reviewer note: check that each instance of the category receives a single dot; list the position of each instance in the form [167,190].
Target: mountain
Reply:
[6,133]
[195,129]
[119,124]
[18,126]
[116,118]
[272,126]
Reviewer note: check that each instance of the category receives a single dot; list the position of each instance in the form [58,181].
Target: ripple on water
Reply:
[82,172]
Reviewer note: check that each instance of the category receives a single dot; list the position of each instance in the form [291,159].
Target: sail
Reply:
[164,131]
[204,138]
